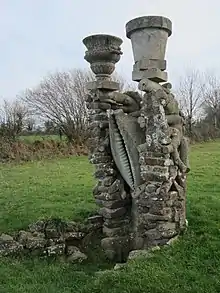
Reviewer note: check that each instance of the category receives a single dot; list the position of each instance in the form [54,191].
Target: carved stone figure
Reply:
[137,142]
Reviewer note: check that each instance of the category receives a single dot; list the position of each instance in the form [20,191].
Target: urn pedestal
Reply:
[149,36]
[103,52]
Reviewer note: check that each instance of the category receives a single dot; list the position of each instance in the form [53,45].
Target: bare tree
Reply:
[60,98]
[191,92]
[13,117]
[30,124]
[212,98]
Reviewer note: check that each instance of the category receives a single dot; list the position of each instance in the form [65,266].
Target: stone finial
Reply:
[103,52]
[149,36]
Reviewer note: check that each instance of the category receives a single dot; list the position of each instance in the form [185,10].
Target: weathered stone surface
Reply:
[38,226]
[55,250]
[108,181]
[119,266]
[71,236]
[102,173]
[156,243]
[167,229]
[100,117]
[96,219]
[74,255]
[149,22]
[8,246]
[115,223]
[103,84]
[173,171]
[142,209]
[136,254]
[152,187]
[153,74]
[99,105]
[144,224]
[54,228]
[173,240]
[152,161]
[112,204]
[172,198]
[119,231]
[96,131]
[112,213]
[23,236]
[71,226]
[94,142]
[152,217]
[115,186]
[106,196]
[116,248]
[154,176]
[6,237]
[32,242]
[144,202]
[145,64]
[153,234]
[99,188]
[100,159]
[158,208]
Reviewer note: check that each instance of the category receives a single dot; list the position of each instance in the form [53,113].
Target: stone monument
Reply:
[137,142]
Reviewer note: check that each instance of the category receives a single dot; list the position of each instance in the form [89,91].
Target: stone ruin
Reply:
[140,155]
[137,142]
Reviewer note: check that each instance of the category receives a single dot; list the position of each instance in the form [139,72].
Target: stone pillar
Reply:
[159,203]
[137,142]
[103,52]
[149,36]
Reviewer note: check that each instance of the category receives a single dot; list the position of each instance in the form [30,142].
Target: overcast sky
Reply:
[41,36]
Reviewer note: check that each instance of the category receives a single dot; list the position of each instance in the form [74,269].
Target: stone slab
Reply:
[103,84]
[153,74]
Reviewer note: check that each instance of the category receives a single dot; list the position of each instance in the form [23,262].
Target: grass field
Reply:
[63,188]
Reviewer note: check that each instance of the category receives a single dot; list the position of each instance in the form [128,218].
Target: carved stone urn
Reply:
[103,52]
[149,36]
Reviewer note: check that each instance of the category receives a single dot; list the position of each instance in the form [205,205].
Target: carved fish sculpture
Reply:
[125,136]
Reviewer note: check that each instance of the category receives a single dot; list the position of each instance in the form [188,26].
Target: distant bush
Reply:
[19,151]
[204,132]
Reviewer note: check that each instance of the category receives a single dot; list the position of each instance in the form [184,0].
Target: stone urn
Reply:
[103,52]
[148,35]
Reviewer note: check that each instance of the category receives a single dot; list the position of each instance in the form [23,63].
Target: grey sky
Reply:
[41,36]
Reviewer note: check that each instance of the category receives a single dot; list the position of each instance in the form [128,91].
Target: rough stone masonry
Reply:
[137,142]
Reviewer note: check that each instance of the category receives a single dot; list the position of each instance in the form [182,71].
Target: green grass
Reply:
[30,191]
[63,188]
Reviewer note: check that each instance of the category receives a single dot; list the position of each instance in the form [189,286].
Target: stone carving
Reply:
[137,142]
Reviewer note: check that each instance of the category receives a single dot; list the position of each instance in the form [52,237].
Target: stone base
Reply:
[116,248]
[103,84]
[153,74]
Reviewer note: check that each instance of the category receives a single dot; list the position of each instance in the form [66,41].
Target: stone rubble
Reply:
[52,238]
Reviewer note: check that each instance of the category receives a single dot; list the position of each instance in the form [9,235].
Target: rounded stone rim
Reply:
[96,37]
[151,21]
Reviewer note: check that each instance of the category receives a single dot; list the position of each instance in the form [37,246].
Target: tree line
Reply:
[57,105]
